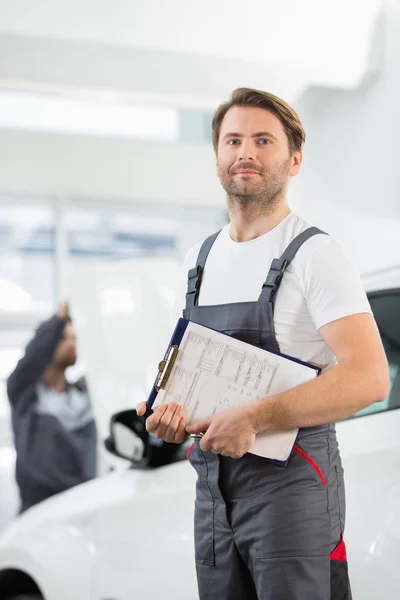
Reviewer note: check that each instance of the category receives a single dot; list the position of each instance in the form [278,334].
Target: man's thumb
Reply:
[199,427]
[141,409]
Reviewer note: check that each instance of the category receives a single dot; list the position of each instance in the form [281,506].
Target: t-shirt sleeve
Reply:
[332,285]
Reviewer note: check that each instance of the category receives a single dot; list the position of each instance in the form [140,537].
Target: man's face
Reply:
[65,354]
[254,162]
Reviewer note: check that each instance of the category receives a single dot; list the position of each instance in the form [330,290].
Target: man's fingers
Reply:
[174,424]
[141,409]
[180,434]
[199,427]
[205,444]
[166,420]
[63,311]
[153,422]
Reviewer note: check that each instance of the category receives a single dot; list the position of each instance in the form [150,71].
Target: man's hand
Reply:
[167,422]
[229,432]
[63,311]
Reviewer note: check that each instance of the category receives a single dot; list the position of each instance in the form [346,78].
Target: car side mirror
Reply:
[128,436]
[130,439]
[127,443]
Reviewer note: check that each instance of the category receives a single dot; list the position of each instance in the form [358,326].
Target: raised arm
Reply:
[38,354]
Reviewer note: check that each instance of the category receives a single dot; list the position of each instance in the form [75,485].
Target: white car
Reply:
[128,535]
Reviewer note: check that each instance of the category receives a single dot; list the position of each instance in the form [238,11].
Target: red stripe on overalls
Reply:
[189,451]
[339,553]
[311,462]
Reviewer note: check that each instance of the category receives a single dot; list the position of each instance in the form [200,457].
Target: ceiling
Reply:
[183,52]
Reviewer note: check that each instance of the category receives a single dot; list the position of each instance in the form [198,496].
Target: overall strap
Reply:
[279,265]
[195,274]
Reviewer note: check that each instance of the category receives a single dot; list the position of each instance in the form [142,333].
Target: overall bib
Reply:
[263,531]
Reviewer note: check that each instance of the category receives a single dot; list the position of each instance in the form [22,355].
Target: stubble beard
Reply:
[256,197]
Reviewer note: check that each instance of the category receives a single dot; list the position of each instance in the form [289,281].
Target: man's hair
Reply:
[249,97]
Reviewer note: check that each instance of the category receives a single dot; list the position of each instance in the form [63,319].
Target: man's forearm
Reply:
[336,394]
[38,354]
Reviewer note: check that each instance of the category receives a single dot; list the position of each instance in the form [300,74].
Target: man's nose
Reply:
[246,150]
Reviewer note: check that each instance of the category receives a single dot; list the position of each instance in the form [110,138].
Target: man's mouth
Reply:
[246,172]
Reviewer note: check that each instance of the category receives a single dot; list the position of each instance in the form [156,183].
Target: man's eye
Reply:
[233,142]
[264,142]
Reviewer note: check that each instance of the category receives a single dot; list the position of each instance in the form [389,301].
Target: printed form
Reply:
[214,371]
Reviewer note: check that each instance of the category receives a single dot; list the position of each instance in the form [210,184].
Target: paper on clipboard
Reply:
[213,371]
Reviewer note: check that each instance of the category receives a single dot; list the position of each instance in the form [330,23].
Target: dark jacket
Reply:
[50,457]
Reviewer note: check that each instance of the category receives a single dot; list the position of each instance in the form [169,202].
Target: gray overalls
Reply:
[263,531]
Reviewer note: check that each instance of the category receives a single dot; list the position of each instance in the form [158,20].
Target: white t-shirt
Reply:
[72,408]
[319,286]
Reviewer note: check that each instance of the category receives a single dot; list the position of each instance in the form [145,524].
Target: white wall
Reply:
[124,313]
[350,179]
[276,40]
[109,169]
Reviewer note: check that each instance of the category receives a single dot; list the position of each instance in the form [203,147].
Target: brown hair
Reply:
[250,97]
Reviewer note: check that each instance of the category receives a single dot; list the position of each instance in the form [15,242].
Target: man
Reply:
[54,430]
[263,531]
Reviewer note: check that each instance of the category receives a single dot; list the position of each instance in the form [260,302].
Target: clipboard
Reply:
[166,364]
[166,368]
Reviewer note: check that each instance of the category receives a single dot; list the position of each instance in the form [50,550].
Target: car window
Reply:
[386,308]
[393,399]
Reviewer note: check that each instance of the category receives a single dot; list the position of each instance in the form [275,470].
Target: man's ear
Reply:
[297,159]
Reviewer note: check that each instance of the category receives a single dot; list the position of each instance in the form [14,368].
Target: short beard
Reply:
[255,204]
[260,199]
[64,363]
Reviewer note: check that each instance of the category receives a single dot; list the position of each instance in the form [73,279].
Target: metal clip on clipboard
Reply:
[165,368]
[164,371]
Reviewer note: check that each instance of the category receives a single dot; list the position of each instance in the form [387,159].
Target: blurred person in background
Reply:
[52,420]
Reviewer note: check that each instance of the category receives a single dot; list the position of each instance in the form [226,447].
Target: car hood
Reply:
[82,502]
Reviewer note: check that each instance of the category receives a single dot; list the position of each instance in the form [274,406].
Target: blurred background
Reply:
[106,165]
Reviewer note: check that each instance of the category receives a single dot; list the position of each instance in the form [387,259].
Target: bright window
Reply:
[26,258]
[103,234]
[60,114]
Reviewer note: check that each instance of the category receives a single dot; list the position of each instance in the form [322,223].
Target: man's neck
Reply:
[247,224]
[54,378]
